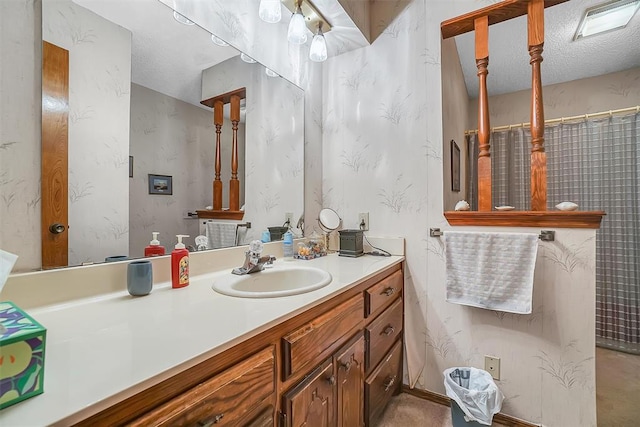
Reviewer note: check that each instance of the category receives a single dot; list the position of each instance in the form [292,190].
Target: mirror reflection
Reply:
[140,144]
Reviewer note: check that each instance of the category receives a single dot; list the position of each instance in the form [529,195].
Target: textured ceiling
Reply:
[166,56]
[564,59]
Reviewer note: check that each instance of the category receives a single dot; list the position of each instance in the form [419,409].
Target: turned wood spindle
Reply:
[535,24]
[218,118]
[234,183]
[484,158]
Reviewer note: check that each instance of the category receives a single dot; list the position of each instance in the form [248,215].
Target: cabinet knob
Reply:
[346,366]
[389,383]
[389,291]
[56,228]
[332,380]
[389,330]
[213,420]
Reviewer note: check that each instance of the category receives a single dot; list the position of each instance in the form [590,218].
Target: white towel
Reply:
[491,270]
[220,234]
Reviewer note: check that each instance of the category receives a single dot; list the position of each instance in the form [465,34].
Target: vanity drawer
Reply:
[222,400]
[382,333]
[382,384]
[383,293]
[315,340]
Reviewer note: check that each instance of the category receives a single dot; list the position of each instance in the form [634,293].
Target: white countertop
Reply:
[102,350]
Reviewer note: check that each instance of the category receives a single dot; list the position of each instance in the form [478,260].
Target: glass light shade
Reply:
[218,41]
[269,72]
[246,58]
[318,51]
[297,33]
[181,19]
[607,17]
[270,11]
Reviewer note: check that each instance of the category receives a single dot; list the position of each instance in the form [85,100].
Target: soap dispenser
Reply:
[180,264]
[287,246]
[154,248]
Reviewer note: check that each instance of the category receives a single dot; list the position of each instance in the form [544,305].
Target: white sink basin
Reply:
[277,281]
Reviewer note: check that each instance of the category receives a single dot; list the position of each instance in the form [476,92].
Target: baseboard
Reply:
[441,399]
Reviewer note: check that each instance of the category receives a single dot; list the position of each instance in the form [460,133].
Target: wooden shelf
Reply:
[552,219]
[211,214]
[499,12]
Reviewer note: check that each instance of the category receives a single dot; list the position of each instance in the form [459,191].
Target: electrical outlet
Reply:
[492,365]
[288,217]
[363,221]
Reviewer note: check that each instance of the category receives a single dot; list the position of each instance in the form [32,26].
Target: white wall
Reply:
[274,131]
[99,97]
[583,96]
[382,153]
[168,137]
[20,113]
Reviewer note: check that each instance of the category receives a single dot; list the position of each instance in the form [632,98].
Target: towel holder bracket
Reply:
[545,235]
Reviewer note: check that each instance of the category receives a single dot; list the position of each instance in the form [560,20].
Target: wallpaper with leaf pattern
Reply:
[382,153]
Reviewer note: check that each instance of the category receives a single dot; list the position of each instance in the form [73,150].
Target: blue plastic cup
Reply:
[139,278]
[116,258]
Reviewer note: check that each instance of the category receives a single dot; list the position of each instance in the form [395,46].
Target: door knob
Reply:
[56,228]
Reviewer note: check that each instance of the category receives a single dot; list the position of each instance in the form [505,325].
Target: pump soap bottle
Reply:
[154,248]
[180,264]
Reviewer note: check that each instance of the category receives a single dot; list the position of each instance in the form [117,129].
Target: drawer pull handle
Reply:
[389,330]
[389,291]
[389,383]
[346,366]
[332,380]
[213,420]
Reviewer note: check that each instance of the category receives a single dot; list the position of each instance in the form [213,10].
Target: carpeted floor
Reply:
[406,410]
[617,388]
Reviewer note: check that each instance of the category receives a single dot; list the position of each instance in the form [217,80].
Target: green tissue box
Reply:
[22,342]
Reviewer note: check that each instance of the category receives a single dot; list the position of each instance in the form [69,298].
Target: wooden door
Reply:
[312,402]
[55,135]
[350,381]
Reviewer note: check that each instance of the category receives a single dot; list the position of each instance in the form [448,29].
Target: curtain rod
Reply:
[562,119]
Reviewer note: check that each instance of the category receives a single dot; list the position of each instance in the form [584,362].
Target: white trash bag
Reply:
[475,392]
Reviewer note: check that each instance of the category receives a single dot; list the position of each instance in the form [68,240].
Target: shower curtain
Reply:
[596,164]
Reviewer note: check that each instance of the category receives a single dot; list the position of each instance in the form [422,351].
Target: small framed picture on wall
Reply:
[455,166]
[160,184]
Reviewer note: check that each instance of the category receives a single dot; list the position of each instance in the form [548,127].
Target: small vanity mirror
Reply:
[329,221]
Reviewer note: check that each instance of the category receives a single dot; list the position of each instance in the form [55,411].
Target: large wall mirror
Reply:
[141,146]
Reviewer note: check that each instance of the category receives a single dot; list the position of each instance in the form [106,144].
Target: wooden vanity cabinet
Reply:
[336,364]
[333,394]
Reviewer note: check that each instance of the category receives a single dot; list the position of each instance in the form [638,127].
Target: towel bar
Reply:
[545,235]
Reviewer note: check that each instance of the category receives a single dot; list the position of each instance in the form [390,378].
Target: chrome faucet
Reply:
[253,261]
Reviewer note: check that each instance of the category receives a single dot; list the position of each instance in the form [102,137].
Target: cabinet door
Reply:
[350,375]
[312,402]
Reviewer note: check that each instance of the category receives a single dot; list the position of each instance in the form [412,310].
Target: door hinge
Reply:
[283,419]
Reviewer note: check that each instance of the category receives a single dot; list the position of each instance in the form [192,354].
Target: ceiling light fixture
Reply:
[606,17]
[318,50]
[181,19]
[246,58]
[270,11]
[297,32]
[269,72]
[217,40]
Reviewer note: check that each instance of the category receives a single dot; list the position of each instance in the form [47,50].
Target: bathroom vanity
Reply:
[328,357]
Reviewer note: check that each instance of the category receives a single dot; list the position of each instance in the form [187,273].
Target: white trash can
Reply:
[475,397]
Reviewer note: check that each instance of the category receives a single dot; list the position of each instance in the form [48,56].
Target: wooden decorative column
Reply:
[218,118]
[535,24]
[234,183]
[481,26]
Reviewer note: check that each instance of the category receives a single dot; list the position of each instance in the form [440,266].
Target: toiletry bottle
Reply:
[180,264]
[154,248]
[266,237]
[287,246]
